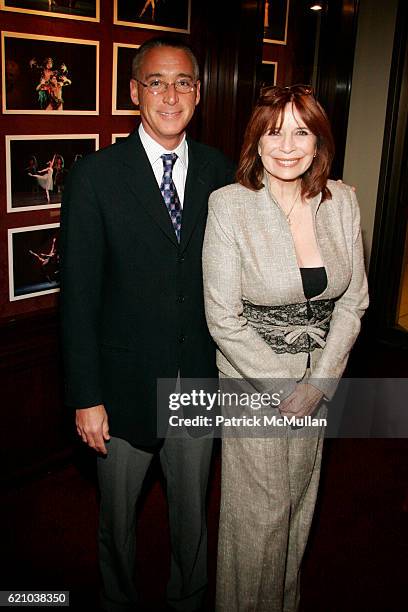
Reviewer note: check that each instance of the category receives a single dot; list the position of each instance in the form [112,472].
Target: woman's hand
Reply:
[302,402]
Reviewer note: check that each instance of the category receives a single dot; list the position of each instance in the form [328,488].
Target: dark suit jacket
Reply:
[131,297]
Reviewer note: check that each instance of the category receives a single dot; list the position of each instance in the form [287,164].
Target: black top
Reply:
[314,281]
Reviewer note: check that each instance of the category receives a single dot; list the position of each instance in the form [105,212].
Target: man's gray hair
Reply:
[162,42]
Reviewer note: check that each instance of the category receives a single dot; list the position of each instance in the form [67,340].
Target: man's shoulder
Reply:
[106,157]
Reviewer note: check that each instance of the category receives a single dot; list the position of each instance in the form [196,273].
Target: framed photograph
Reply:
[44,74]
[122,71]
[276,21]
[37,167]
[168,15]
[84,10]
[33,261]
[118,137]
[268,74]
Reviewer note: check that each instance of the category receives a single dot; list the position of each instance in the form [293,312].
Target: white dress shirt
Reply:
[154,150]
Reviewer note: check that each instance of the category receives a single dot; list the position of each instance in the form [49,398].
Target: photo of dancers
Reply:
[169,15]
[33,261]
[84,10]
[37,167]
[49,75]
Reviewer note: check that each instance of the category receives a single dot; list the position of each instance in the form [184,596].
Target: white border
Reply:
[148,26]
[11,209]
[115,136]
[14,9]
[56,39]
[115,111]
[17,230]
[281,42]
[276,69]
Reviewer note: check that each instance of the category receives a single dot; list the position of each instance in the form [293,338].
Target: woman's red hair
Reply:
[267,116]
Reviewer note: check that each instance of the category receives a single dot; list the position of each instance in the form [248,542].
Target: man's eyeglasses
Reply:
[157,86]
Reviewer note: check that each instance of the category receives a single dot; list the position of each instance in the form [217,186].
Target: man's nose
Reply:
[170,95]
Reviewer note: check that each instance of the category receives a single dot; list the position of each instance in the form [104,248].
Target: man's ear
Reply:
[134,92]
[197,92]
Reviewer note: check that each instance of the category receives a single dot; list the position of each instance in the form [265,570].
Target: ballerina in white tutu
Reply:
[45,178]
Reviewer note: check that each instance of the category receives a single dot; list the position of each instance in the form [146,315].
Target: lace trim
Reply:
[292,328]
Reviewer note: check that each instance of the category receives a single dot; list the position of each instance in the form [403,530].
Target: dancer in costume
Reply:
[49,261]
[152,4]
[45,178]
[51,82]
[59,173]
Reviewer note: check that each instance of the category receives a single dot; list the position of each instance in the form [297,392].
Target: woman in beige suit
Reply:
[285,289]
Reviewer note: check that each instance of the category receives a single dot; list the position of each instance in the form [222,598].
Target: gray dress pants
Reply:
[268,495]
[185,463]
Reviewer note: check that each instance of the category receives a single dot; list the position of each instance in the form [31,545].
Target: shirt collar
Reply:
[154,150]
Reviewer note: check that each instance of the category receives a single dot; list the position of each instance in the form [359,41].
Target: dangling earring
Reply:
[315,153]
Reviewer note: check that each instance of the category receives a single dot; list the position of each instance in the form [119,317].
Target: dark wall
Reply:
[335,70]
[391,220]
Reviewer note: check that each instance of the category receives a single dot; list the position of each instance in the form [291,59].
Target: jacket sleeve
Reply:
[349,308]
[241,345]
[82,264]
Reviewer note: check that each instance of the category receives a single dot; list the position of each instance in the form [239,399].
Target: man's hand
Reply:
[92,425]
[302,402]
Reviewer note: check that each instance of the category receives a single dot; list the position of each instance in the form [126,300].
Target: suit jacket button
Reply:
[181,299]
[181,339]
[180,259]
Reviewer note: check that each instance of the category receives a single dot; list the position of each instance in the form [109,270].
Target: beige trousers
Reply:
[269,489]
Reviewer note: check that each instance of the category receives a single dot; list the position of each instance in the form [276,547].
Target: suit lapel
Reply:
[195,193]
[143,185]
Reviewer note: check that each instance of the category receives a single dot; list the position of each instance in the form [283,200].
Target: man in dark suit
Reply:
[132,227]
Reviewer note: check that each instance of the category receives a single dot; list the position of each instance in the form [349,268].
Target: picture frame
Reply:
[118,137]
[49,75]
[276,17]
[268,74]
[168,16]
[33,261]
[29,183]
[121,74]
[86,10]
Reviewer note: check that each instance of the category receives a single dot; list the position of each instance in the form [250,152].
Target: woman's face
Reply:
[287,153]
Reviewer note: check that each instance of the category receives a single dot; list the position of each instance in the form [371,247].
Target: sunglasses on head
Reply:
[296,90]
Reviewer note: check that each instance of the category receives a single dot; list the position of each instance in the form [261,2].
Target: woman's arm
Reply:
[349,308]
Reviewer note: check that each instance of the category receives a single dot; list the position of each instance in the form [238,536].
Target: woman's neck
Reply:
[284,191]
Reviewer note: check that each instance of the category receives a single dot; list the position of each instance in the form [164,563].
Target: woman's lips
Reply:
[286,163]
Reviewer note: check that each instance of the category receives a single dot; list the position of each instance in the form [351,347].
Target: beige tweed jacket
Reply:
[249,255]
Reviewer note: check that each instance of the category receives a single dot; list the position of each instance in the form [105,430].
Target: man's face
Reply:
[165,116]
